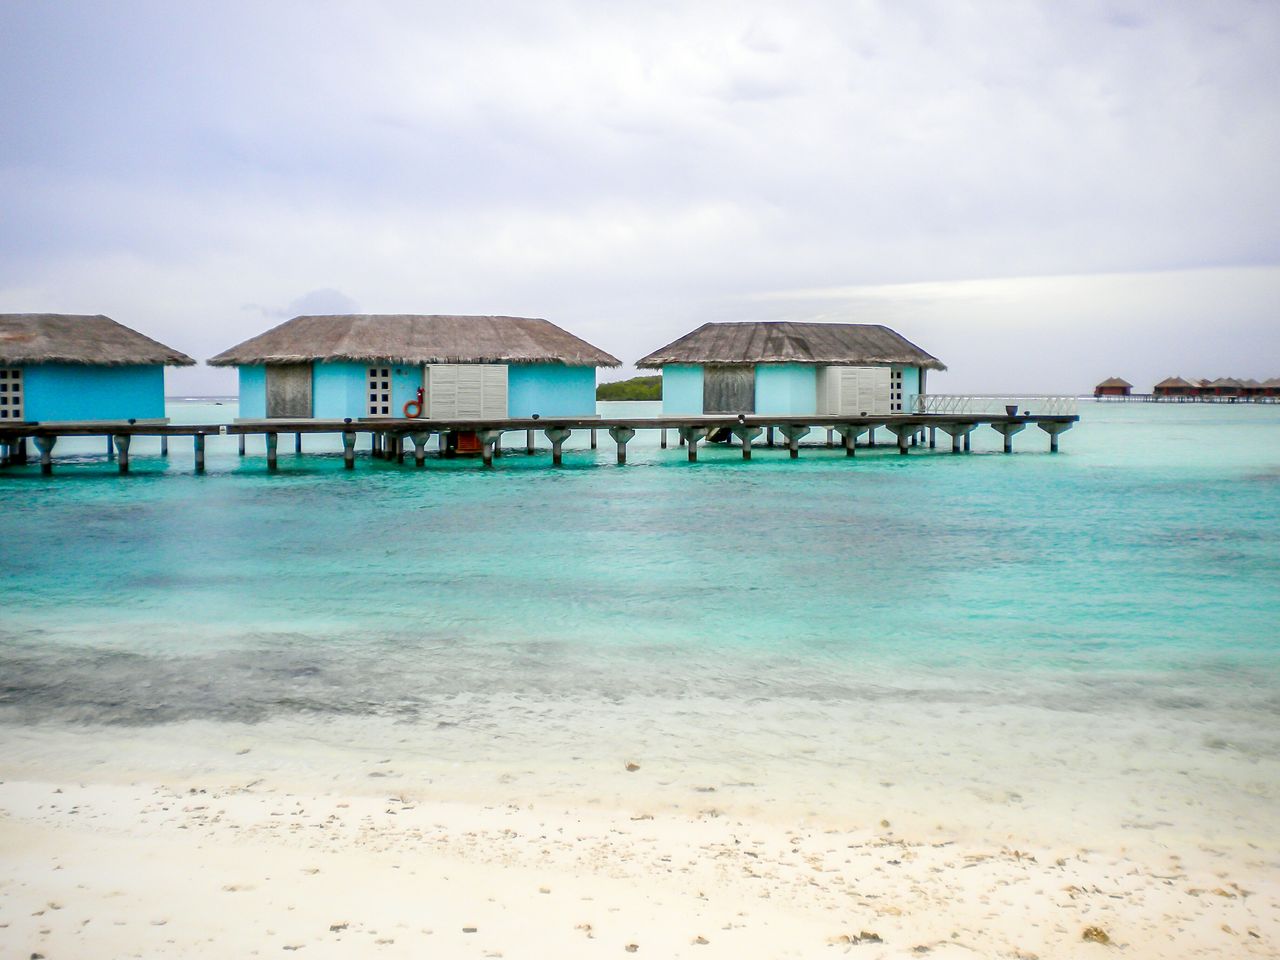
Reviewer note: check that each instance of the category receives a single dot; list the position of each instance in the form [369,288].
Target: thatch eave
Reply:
[36,339]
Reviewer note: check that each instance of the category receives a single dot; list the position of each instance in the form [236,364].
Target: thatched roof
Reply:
[1226,382]
[410,338]
[1174,382]
[783,342]
[1115,382]
[33,338]
[1272,382]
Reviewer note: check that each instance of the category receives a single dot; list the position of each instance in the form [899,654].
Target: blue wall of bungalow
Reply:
[76,391]
[783,388]
[338,390]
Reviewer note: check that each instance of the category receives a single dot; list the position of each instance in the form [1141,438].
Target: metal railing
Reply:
[960,404]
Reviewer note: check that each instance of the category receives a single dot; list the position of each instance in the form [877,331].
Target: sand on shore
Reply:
[190,868]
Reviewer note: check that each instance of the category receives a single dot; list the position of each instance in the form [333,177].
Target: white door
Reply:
[466,391]
[855,391]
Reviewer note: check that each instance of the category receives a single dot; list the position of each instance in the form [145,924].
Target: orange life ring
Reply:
[417,409]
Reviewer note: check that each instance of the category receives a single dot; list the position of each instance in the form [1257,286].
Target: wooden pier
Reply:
[392,438]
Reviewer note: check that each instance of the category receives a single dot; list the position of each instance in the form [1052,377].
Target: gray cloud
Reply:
[632,171]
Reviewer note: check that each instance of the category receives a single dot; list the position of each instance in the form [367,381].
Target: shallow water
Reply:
[1088,638]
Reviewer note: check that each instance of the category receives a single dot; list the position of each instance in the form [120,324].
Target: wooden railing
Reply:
[955,404]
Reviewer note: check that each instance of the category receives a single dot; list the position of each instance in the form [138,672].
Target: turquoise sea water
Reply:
[1094,635]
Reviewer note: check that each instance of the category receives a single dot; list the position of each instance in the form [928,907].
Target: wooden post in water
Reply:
[746,436]
[528,442]
[242,444]
[198,443]
[164,445]
[272,441]
[349,449]
[663,435]
[593,438]
[297,443]
[122,450]
[557,436]
[933,437]
[621,436]
[45,446]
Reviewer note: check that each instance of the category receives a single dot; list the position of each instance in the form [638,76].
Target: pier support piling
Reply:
[933,437]
[768,437]
[849,436]
[419,439]
[164,445]
[622,436]
[1053,430]
[198,446]
[959,433]
[1007,429]
[242,444]
[794,432]
[489,440]
[45,446]
[111,449]
[690,436]
[662,441]
[831,437]
[593,438]
[349,450]
[746,436]
[528,442]
[905,432]
[557,436]
[121,441]
[297,443]
[273,440]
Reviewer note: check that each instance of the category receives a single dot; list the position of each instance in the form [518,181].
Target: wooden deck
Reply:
[391,437]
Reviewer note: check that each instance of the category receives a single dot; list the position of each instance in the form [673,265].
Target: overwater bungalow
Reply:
[805,369]
[1222,387]
[58,367]
[407,365]
[1113,387]
[1174,388]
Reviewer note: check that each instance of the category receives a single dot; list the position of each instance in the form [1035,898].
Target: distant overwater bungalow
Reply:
[1113,387]
[429,367]
[793,369]
[58,367]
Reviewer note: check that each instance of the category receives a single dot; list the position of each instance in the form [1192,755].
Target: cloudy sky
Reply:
[1042,194]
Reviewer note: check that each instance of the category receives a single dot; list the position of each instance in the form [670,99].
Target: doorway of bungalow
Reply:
[729,389]
[288,390]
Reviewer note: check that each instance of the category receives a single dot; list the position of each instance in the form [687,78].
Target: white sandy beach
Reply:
[254,865]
